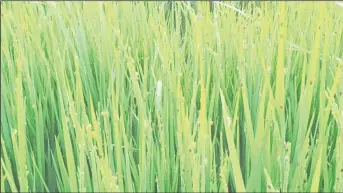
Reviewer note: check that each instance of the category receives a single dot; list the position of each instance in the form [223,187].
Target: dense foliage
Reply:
[171,96]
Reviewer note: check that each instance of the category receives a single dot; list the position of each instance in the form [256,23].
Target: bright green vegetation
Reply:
[149,96]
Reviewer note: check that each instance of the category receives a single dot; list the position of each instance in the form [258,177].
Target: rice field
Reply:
[171,97]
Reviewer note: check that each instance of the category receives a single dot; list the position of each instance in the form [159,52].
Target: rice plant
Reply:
[171,97]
